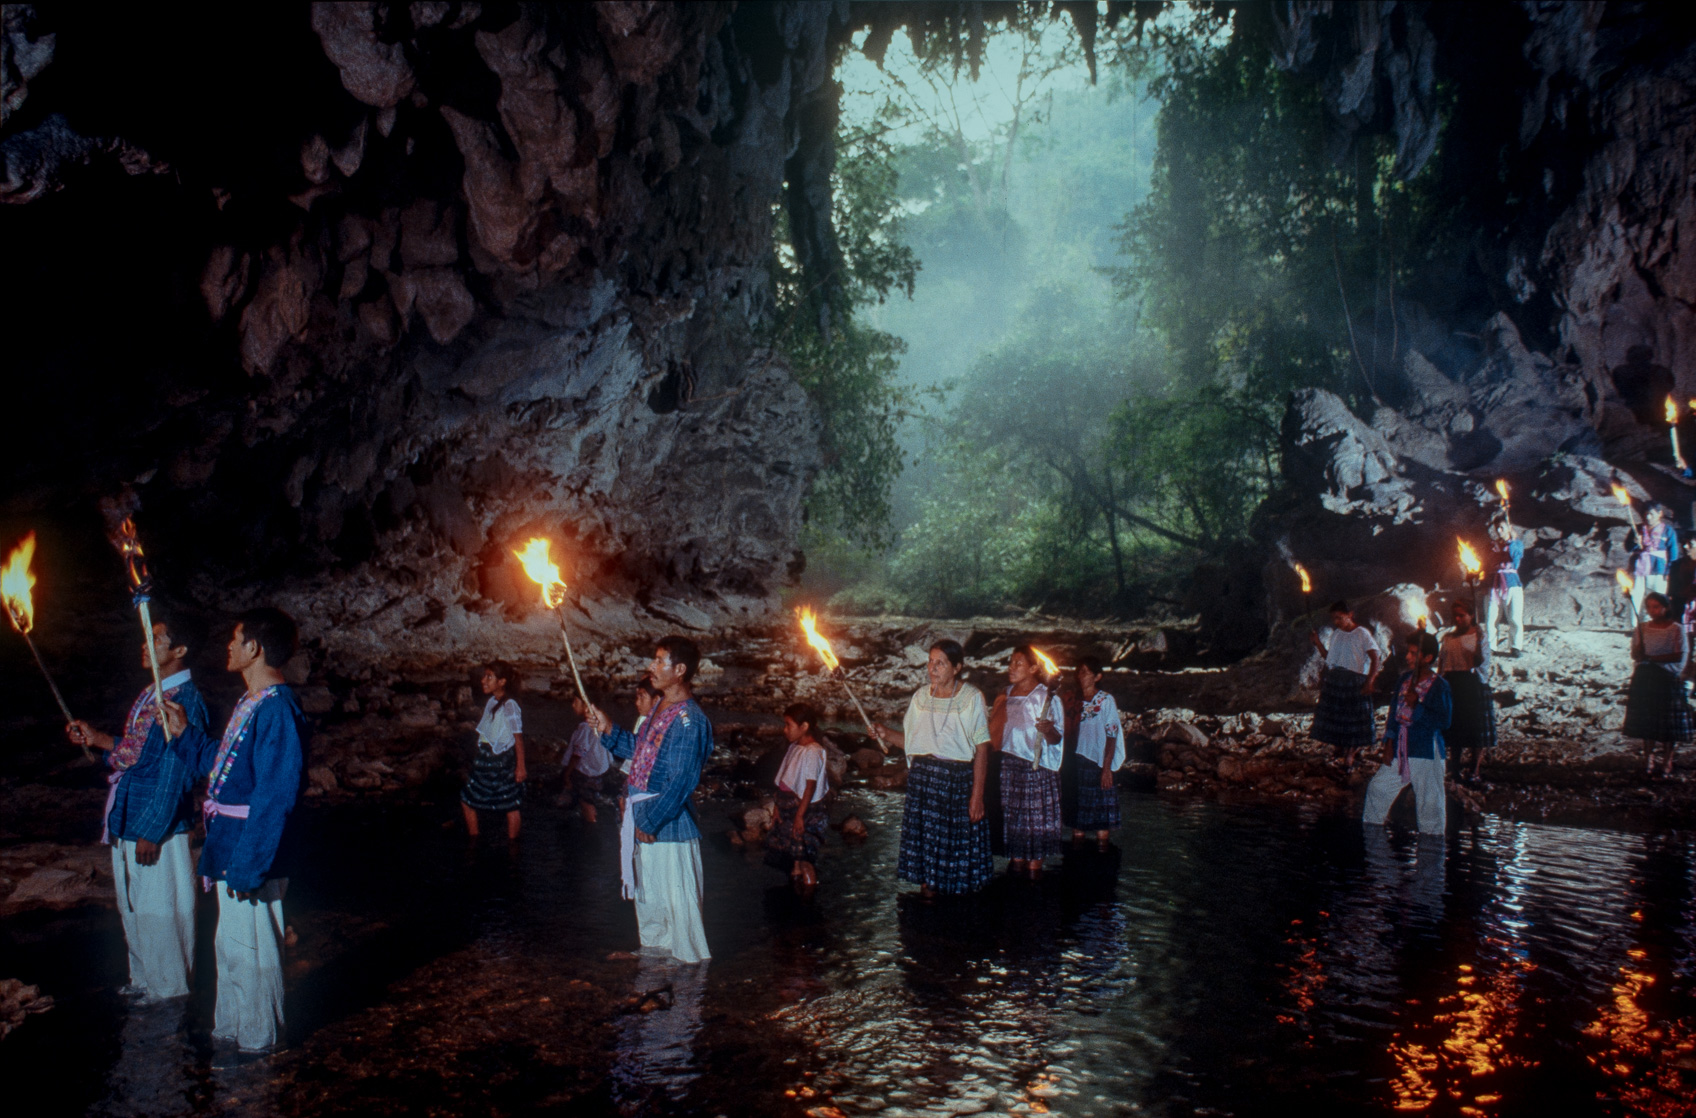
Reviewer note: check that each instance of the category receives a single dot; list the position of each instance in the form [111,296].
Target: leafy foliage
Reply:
[848,368]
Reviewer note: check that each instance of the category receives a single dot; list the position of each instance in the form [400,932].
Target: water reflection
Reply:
[655,1057]
[1224,960]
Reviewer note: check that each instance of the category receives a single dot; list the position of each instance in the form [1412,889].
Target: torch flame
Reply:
[1306,583]
[1049,667]
[809,624]
[543,571]
[1625,583]
[1469,559]
[129,547]
[1502,490]
[1620,494]
[16,581]
[1672,410]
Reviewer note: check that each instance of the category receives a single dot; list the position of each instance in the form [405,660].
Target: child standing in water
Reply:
[802,781]
[497,774]
[586,762]
[1101,750]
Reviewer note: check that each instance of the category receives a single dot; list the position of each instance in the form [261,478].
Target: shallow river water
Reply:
[1219,961]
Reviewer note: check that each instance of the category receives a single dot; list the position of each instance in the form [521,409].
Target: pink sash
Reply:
[1404,715]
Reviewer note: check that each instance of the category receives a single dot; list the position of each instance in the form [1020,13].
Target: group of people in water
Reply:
[952,735]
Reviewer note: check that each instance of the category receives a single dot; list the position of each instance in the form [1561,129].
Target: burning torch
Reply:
[1049,669]
[1306,590]
[1626,585]
[809,625]
[1471,568]
[544,572]
[1507,506]
[141,591]
[1624,497]
[16,583]
[1672,426]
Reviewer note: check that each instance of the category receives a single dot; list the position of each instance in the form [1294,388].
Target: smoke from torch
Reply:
[544,572]
[17,582]
[809,625]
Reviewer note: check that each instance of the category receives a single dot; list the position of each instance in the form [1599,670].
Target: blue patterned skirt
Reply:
[783,848]
[1344,718]
[1030,809]
[1655,707]
[493,785]
[1098,807]
[940,845]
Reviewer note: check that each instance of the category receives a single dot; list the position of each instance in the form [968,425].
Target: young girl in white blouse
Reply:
[498,773]
[1101,751]
[802,782]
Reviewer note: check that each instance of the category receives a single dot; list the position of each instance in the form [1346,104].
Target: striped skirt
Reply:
[1655,707]
[1474,725]
[1098,807]
[493,785]
[940,845]
[1030,809]
[783,847]
[1344,718]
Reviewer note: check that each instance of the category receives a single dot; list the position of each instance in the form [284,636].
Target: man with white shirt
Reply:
[146,820]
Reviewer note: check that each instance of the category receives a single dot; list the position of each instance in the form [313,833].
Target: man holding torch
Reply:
[660,845]
[254,777]
[147,826]
[1507,593]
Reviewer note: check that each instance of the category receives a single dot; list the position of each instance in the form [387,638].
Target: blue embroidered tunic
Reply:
[266,768]
[1430,718]
[150,800]
[688,742]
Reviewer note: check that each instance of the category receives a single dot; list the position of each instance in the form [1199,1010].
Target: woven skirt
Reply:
[1030,809]
[1474,725]
[493,785]
[783,848]
[1344,718]
[1655,707]
[940,845]
[1098,807]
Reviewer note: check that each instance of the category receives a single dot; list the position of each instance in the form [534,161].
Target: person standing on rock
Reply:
[1657,548]
[1414,750]
[147,825]
[944,835]
[498,773]
[660,844]
[1100,753]
[1507,593]
[1656,710]
[1344,719]
[1464,661]
[254,777]
[1030,742]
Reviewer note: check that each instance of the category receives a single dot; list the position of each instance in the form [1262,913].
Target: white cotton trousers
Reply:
[249,947]
[668,899]
[1515,616]
[1430,797]
[156,905]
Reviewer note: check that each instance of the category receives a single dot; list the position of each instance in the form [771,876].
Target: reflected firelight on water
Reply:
[1645,1056]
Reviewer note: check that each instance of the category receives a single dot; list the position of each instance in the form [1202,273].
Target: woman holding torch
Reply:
[1655,708]
[1463,659]
[944,835]
[1030,743]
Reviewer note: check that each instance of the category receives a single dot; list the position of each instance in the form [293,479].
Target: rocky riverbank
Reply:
[1235,732]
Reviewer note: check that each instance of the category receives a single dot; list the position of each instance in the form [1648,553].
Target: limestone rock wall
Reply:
[373,292]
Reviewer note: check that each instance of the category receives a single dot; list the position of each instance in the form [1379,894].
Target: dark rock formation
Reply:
[1543,352]
[400,285]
